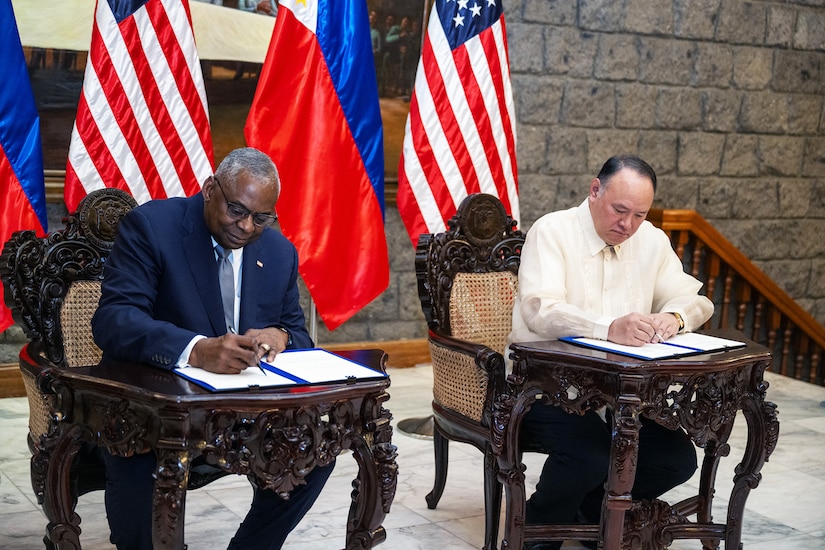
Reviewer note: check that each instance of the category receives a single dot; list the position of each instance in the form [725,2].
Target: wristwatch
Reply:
[288,336]
[681,321]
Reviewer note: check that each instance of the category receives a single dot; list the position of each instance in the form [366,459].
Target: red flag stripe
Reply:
[500,73]
[187,102]
[440,193]
[487,61]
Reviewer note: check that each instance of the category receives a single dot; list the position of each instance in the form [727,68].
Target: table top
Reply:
[570,354]
[150,381]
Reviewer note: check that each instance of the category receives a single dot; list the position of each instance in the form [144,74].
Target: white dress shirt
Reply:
[572,284]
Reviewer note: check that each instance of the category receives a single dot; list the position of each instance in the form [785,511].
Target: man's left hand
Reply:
[270,341]
[666,325]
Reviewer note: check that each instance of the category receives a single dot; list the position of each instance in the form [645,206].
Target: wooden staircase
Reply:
[745,298]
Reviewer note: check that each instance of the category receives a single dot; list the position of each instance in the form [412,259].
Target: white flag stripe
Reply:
[423,193]
[507,156]
[481,70]
[82,164]
[493,106]
[175,106]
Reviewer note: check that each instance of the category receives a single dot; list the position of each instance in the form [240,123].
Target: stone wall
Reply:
[723,97]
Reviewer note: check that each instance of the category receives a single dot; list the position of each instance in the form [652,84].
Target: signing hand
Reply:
[227,354]
[634,329]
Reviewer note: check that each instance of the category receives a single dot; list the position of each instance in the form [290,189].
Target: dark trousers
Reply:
[572,479]
[129,488]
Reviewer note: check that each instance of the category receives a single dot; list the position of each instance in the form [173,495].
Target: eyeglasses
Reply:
[240,212]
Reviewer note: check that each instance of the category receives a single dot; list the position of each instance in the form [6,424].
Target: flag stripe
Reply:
[142,122]
[129,120]
[460,134]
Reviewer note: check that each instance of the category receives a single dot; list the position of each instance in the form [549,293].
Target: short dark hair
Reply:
[618,162]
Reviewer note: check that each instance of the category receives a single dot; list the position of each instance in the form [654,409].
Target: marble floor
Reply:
[784,513]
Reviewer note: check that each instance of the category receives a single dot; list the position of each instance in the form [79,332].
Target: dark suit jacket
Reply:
[160,285]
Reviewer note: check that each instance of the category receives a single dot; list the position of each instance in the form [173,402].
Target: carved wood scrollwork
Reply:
[646,525]
[124,430]
[384,452]
[169,495]
[572,389]
[626,440]
[37,271]
[500,421]
[772,432]
[385,455]
[281,446]
[702,404]
[481,238]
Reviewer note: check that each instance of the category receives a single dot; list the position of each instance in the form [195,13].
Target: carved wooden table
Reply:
[701,393]
[278,436]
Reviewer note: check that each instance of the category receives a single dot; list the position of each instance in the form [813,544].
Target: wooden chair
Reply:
[52,286]
[467,282]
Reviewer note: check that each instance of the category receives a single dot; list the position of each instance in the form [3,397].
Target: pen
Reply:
[260,366]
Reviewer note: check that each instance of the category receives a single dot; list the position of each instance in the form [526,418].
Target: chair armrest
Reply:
[467,376]
[485,357]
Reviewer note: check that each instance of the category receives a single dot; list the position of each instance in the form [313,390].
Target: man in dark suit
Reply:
[162,303]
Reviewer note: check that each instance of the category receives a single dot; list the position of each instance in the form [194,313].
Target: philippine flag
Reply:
[316,113]
[22,188]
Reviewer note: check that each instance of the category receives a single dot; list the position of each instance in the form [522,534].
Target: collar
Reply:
[595,244]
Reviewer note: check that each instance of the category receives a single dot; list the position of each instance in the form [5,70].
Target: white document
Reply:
[690,343]
[290,368]
[702,342]
[316,366]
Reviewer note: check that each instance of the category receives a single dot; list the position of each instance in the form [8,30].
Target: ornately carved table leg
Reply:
[172,474]
[624,452]
[64,524]
[374,489]
[763,432]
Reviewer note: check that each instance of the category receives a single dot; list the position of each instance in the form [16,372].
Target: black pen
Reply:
[260,366]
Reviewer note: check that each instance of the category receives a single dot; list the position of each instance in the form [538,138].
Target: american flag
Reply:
[460,136]
[142,122]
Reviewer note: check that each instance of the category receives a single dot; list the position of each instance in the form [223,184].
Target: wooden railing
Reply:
[745,298]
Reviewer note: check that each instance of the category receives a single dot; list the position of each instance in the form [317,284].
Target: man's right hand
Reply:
[227,354]
[634,329]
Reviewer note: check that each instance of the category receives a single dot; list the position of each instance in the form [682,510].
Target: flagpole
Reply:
[420,427]
[313,321]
